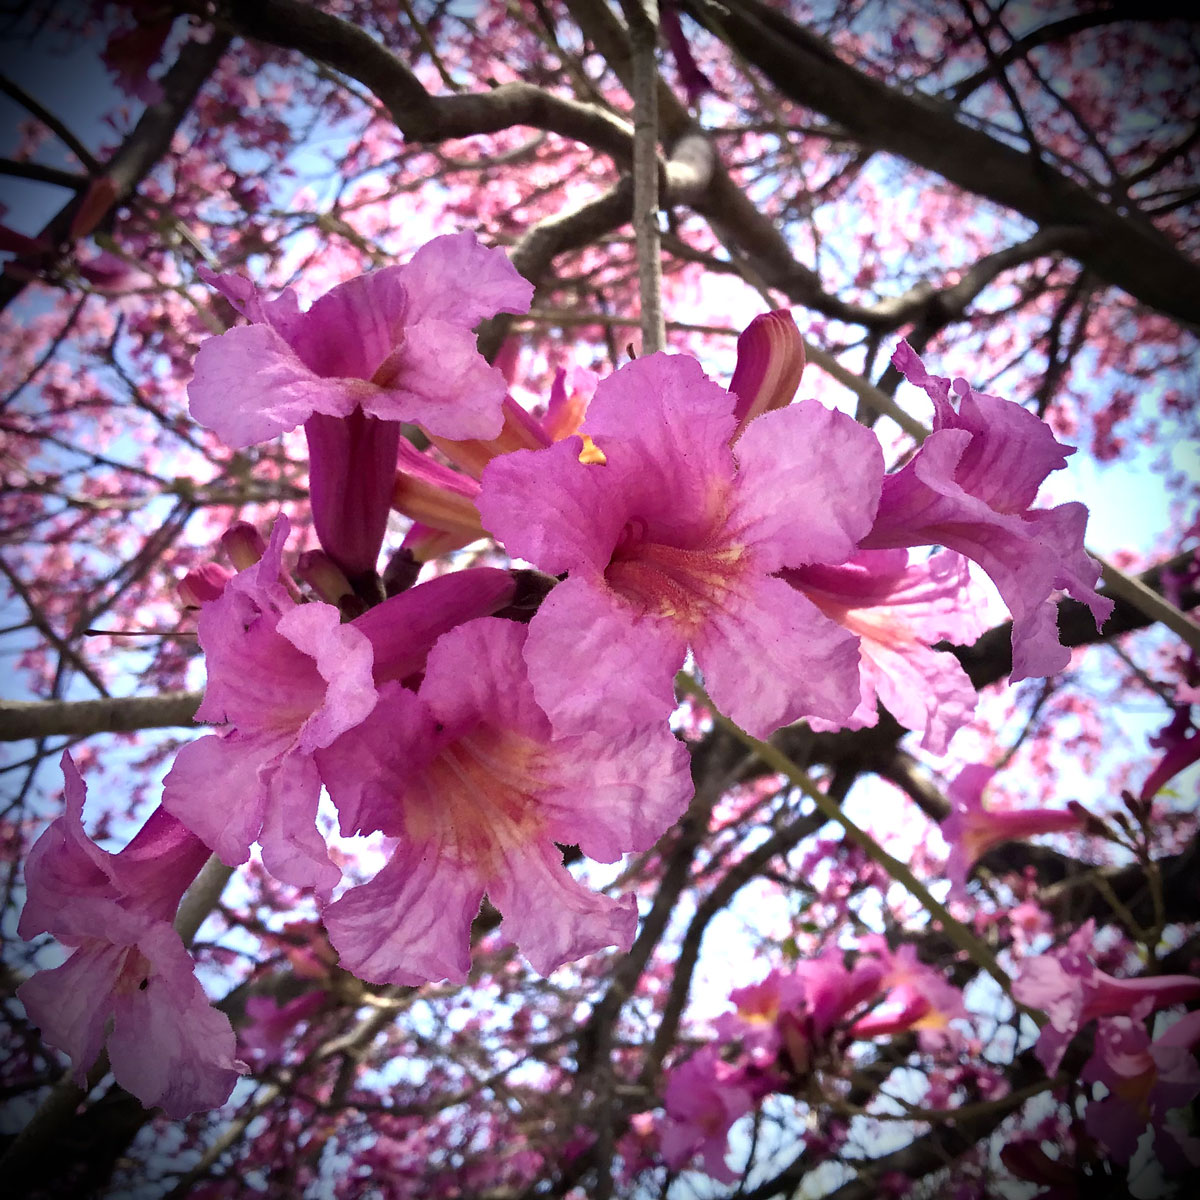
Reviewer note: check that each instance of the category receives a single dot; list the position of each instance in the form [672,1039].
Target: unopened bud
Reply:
[202,584]
[770,361]
[244,544]
[401,572]
[324,576]
[1090,824]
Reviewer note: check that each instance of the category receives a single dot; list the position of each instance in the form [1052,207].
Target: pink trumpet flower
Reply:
[397,344]
[972,830]
[1072,992]
[289,679]
[466,775]
[671,539]
[128,966]
[1147,1081]
[970,488]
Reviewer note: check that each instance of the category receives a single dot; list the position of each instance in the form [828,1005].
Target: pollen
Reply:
[591,455]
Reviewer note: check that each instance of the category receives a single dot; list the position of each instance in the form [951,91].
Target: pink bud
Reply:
[324,576]
[244,544]
[770,361]
[203,584]
[352,461]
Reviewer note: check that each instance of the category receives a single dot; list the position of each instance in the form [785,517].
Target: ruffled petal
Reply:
[456,278]
[550,509]
[773,657]
[550,915]
[441,381]
[169,1047]
[412,922]
[250,386]
[610,795]
[292,848]
[809,485]
[594,662]
[218,790]
[71,1004]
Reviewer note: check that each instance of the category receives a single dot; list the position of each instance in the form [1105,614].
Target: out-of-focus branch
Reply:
[149,141]
[81,718]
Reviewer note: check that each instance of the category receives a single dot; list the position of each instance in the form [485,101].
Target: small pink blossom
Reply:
[128,966]
[914,997]
[671,539]
[971,830]
[1072,992]
[1146,1080]
[704,1096]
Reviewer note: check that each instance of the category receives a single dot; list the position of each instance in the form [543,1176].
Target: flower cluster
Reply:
[788,1028]
[482,719]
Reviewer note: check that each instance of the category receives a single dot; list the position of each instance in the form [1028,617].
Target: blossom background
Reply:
[287,169]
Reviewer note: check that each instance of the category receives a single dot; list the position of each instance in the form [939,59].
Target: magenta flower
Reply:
[755,1023]
[971,830]
[898,610]
[397,344]
[704,1096]
[789,1019]
[1146,1081]
[1071,992]
[289,679]
[465,774]
[970,488]
[915,996]
[670,539]
[166,1045]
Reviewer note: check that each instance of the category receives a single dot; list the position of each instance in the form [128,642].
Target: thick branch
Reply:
[1127,252]
[81,718]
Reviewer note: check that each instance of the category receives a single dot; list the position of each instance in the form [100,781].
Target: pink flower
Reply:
[1071,992]
[898,609]
[289,679]
[970,488]
[915,997]
[269,1024]
[787,1022]
[167,1045]
[972,830]
[670,539]
[397,344]
[465,774]
[1146,1081]
[704,1096]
